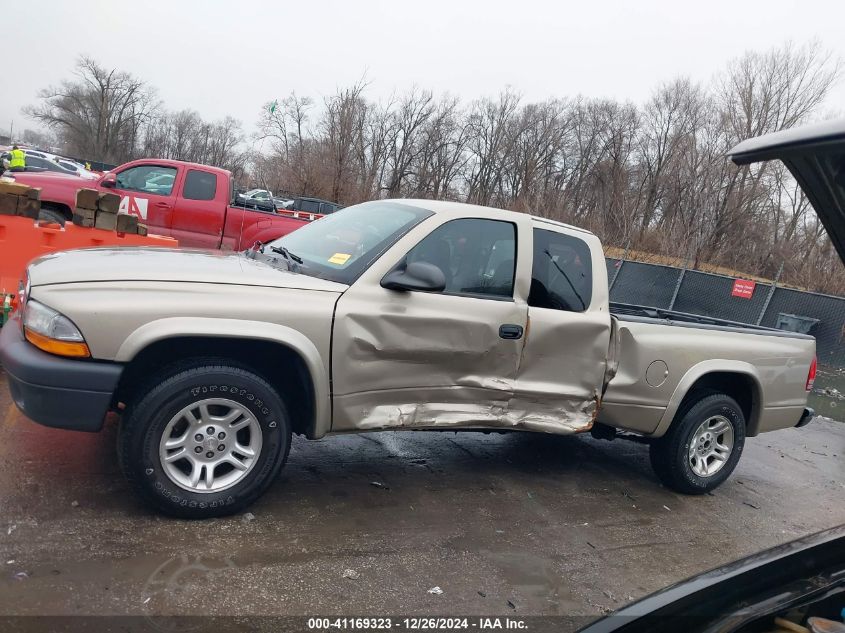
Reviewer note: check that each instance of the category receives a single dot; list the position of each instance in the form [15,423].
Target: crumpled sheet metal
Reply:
[424,348]
[424,361]
[357,412]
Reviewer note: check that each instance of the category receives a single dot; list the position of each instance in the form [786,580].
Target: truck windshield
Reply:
[341,246]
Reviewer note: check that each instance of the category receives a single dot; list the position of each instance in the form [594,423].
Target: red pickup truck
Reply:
[190,202]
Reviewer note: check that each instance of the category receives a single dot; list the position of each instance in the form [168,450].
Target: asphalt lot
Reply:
[514,524]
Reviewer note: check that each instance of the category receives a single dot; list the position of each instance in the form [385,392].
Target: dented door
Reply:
[564,361]
[423,359]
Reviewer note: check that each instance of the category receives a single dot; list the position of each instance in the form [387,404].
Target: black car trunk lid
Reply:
[815,154]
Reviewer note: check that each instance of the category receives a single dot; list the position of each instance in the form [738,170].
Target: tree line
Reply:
[648,178]
[111,116]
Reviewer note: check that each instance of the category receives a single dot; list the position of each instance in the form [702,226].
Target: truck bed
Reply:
[638,313]
[661,354]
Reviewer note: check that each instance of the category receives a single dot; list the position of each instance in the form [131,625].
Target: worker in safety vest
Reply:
[18,159]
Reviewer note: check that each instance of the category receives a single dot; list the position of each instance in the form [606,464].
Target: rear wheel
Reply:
[703,445]
[206,441]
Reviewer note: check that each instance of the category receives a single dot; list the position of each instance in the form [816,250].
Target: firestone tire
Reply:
[202,396]
[697,442]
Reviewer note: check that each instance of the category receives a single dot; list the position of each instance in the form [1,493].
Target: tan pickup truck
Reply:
[400,314]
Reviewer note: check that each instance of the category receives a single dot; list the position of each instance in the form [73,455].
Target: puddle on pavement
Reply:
[828,396]
[139,585]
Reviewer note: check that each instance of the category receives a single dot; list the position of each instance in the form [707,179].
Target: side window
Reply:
[477,256]
[43,163]
[199,185]
[148,179]
[562,274]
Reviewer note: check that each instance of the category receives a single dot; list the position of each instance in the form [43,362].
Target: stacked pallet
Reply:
[101,211]
[18,199]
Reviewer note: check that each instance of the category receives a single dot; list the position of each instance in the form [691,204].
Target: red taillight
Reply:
[811,376]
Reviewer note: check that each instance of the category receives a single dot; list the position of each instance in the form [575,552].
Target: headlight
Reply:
[52,332]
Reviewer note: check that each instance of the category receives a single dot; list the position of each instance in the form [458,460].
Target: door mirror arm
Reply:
[417,276]
[109,181]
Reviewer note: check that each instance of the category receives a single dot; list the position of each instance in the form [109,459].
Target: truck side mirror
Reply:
[419,276]
[109,181]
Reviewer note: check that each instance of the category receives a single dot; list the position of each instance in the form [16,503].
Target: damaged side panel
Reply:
[418,359]
[421,360]
[459,408]
[562,371]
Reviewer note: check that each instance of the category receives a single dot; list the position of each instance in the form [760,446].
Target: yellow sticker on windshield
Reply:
[339,258]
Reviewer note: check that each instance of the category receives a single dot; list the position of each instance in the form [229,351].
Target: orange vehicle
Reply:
[22,240]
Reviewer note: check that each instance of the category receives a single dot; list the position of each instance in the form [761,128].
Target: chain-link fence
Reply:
[723,297]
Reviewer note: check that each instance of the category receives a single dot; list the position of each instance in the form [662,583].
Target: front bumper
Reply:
[54,391]
[806,418]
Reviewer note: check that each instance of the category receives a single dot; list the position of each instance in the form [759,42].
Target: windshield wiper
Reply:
[283,251]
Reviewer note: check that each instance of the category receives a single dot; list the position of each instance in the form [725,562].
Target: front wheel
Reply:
[702,447]
[51,215]
[206,441]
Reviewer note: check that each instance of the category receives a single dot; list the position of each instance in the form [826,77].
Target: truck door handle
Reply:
[510,331]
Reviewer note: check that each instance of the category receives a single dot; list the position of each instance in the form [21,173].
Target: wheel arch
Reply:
[58,207]
[283,356]
[736,379]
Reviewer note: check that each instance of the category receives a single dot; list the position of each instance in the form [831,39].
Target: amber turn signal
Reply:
[60,348]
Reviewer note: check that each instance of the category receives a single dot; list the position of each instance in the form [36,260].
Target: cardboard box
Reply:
[87,198]
[127,223]
[80,220]
[106,221]
[108,202]
[14,188]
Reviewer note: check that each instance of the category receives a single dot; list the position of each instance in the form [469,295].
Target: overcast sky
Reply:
[229,57]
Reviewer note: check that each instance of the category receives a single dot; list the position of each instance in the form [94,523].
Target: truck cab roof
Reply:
[464,209]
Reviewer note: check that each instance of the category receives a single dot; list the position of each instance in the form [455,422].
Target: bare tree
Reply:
[654,177]
[99,114]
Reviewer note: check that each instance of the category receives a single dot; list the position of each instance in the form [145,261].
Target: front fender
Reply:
[696,372]
[173,327]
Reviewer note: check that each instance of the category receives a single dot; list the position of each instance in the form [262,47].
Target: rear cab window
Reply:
[561,273]
[199,185]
